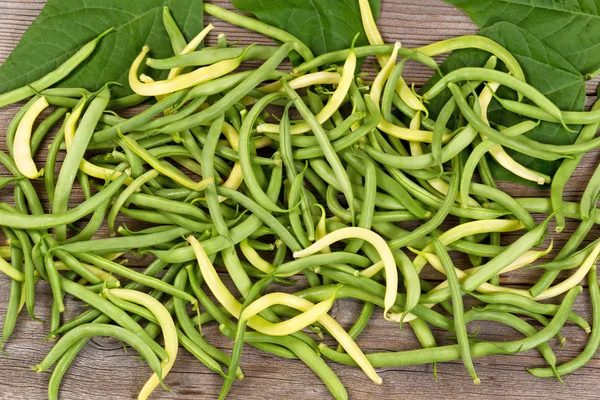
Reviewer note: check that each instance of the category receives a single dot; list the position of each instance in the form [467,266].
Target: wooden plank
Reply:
[104,371]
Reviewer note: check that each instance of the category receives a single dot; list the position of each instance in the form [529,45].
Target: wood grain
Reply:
[104,371]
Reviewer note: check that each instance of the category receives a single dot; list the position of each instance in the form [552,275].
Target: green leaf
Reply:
[544,69]
[571,28]
[66,25]
[323,25]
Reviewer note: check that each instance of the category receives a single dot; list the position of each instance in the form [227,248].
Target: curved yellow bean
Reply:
[383,75]
[391,286]
[409,134]
[254,258]
[332,105]
[574,279]
[180,82]
[167,326]
[497,151]
[22,145]
[309,315]
[316,78]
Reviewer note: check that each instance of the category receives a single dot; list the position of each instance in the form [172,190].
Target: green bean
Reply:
[304,353]
[328,151]
[517,310]
[235,95]
[347,140]
[438,217]
[206,351]
[457,144]
[566,169]
[46,126]
[378,290]
[210,56]
[457,308]
[569,248]
[285,148]
[183,112]
[590,194]
[236,353]
[229,82]
[115,313]
[570,117]
[368,207]
[124,196]
[542,205]
[163,167]
[361,322]
[89,330]
[333,134]
[244,154]
[227,152]
[177,39]
[14,299]
[209,173]
[521,144]
[512,82]
[529,305]
[592,344]
[515,323]
[29,282]
[46,221]
[295,197]
[291,268]
[176,207]
[128,273]
[476,42]
[389,185]
[263,214]
[570,262]
[53,77]
[131,100]
[257,26]
[133,123]
[51,162]
[77,149]
[452,352]
[506,200]
[237,234]
[124,243]
[509,255]
[364,51]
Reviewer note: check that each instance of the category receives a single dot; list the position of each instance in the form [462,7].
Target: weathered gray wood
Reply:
[104,371]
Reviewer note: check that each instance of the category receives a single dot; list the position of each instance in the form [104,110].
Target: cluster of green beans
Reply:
[351,200]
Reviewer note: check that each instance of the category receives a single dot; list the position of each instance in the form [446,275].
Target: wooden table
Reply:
[104,371]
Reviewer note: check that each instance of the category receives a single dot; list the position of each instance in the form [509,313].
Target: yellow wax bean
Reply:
[22,145]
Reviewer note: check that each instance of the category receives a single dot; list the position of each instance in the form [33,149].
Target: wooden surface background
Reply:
[104,371]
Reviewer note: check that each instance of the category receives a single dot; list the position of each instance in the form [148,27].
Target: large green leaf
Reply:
[66,25]
[545,69]
[323,25]
[570,27]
